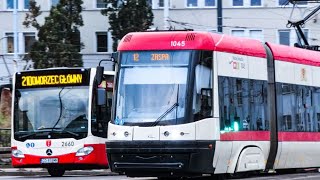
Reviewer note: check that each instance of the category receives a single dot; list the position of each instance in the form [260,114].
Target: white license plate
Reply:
[49,160]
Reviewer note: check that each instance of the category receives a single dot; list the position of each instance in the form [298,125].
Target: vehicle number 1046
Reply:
[177,43]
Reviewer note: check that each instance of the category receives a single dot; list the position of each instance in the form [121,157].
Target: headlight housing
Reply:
[84,151]
[17,153]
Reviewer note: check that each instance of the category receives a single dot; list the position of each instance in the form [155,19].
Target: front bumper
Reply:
[95,160]
[161,158]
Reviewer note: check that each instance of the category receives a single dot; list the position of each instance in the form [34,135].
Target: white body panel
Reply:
[116,132]
[298,154]
[146,133]
[228,156]
[292,73]
[205,129]
[208,129]
[178,132]
[235,65]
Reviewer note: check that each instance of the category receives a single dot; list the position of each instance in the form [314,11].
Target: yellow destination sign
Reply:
[160,57]
[28,81]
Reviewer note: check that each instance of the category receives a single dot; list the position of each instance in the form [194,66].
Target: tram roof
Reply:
[201,40]
[193,40]
[294,55]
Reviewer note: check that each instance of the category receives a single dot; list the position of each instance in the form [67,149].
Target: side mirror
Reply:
[101,94]
[99,74]
[114,57]
[206,102]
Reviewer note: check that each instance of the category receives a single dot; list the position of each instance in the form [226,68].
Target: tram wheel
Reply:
[56,171]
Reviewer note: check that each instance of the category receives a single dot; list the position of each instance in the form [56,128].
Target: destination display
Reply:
[52,78]
[155,57]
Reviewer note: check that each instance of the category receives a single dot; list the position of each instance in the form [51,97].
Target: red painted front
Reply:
[96,157]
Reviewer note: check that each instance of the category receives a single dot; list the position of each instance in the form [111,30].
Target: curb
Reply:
[43,172]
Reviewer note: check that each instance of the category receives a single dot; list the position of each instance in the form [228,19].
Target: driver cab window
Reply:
[101,112]
[202,93]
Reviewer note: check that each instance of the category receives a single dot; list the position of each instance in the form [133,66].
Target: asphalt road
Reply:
[297,176]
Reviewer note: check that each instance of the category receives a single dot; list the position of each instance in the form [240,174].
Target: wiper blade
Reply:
[43,128]
[25,136]
[61,106]
[156,122]
[69,132]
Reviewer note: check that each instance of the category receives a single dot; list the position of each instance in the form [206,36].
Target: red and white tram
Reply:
[60,117]
[191,103]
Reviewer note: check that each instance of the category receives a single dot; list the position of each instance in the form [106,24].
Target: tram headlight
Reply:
[84,151]
[17,153]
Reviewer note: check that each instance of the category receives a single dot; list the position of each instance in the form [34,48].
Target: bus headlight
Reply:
[17,153]
[84,151]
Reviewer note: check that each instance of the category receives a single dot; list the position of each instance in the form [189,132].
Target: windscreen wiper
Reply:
[60,100]
[176,104]
[69,132]
[54,130]
[24,137]
[156,122]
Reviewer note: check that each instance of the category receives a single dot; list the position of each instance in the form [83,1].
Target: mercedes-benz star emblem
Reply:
[49,152]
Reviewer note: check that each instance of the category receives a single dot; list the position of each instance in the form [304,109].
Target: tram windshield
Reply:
[152,88]
[60,111]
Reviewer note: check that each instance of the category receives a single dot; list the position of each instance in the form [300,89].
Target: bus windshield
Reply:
[152,93]
[58,112]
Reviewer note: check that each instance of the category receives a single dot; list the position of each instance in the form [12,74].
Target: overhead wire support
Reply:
[298,24]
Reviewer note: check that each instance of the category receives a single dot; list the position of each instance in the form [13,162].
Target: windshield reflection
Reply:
[146,93]
[51,109]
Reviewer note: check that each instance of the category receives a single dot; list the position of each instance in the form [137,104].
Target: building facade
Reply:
[265,20]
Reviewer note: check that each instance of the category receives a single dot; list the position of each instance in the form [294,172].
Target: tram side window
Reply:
[202,96]
[298,108]
[101,114]
[243,104]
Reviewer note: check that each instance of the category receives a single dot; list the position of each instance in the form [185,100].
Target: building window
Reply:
[26,4]
[209,3]
[54,2]
[283,2]
[29,39]
[286,2]
[10,4]
[284,37]
[256,34]
[237,2]
[102,41]
[249,33]
[238,33]
[161,3]
[101,4]
[192,3]
[10,43]
[255,3]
